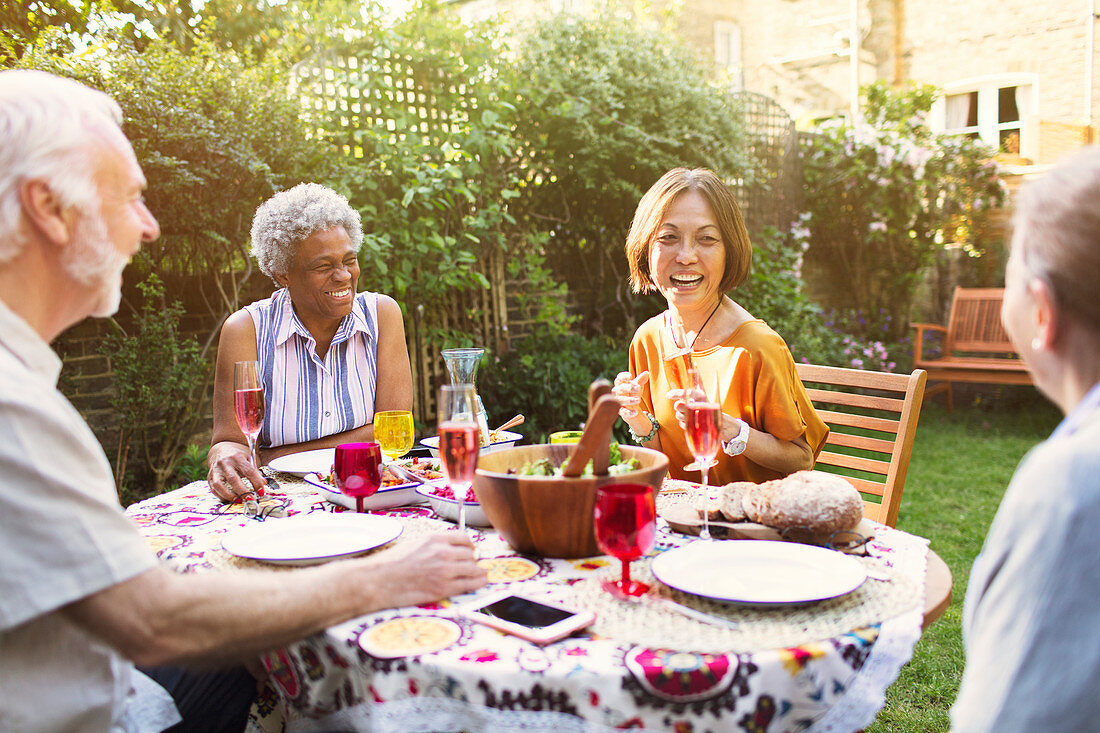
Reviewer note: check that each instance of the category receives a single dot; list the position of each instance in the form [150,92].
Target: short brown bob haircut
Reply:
[652,210]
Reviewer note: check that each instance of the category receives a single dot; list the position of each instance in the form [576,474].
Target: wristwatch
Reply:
[741,441]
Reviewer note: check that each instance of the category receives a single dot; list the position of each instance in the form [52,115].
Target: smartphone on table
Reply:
[538,621]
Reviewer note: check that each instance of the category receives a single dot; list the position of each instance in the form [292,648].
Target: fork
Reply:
[693,613]
[671,605]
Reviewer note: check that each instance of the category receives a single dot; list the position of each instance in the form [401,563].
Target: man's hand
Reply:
[441,566]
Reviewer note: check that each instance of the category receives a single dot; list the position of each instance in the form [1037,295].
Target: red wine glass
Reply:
[704,421]
[248,403]
[459,441]
[358,470]
[626,528]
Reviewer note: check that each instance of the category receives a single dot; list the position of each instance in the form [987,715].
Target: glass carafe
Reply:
[462,367]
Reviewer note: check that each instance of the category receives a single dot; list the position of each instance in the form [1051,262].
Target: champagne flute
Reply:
[358,470]
[248,403]
[704,417]
[393,429]
[459,441]
[678,361]
[626,528]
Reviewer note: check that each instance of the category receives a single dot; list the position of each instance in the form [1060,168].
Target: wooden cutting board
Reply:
[683,518]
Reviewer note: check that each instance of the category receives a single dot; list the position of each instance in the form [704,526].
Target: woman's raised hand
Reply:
[629,391]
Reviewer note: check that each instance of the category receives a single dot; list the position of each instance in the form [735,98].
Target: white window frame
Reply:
[728,50]
[989,128]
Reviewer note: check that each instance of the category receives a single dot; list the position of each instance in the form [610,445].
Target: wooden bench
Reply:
[975,348]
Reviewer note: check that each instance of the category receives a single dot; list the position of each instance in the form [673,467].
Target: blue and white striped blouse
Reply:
[306,397]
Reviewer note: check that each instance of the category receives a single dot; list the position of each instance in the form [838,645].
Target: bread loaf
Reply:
[821,502]
[732,496]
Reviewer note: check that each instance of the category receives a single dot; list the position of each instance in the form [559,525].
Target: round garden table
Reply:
[821,666]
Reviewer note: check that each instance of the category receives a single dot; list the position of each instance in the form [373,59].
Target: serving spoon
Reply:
[517,420]
[593,445]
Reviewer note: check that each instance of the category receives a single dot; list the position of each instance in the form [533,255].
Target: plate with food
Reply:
[399,481]
[445,505]
[497,439]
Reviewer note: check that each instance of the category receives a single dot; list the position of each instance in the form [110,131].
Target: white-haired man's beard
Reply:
[93,260]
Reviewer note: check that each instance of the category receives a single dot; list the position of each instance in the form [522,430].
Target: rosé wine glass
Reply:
[626,528]
[704,421]
[248,403]
[358,470]
[459,441]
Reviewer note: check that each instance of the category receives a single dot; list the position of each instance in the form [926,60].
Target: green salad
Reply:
[616,465]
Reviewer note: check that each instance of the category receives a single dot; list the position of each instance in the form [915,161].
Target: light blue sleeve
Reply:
[1031,619]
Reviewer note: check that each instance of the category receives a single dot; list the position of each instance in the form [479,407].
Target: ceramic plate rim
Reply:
[302,455]
[432,441]
[849,573]
[386,530]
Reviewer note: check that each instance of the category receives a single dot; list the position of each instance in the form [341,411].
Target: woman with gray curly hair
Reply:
[329,357]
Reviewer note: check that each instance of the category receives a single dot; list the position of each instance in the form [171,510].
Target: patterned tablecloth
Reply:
[817,667]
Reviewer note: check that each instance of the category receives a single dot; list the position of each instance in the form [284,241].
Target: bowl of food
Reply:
[445,505]
[499,439]
[552,515]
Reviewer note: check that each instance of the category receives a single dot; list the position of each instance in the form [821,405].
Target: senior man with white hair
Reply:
[82,597]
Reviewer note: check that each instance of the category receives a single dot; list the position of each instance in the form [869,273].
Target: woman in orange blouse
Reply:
[688,241]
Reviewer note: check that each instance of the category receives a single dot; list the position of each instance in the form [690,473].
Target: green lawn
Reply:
[962,462]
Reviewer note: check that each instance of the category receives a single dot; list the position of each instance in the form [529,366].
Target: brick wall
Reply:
[86,379]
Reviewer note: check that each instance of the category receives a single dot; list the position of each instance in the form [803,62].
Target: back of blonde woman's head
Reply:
[654,206]
[1057,230]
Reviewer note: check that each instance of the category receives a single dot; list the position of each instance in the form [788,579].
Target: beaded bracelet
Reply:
[643,439]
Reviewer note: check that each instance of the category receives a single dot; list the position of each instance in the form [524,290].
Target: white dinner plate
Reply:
[759,571]
[386,497]
[310,461]
[310,539]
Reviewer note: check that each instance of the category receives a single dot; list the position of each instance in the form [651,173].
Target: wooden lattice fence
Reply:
[774,196]
[376,97]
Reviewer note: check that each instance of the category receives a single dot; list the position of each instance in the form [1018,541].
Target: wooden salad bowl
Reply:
[552,516]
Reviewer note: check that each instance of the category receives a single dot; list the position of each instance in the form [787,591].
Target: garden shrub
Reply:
[437,190]
[885,196]
[775,293]
[158,374]
[546,377]
[606,105]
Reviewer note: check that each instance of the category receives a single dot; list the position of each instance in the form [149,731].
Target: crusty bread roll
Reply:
[725,502]
[732,496]
[713,506]
[821,502]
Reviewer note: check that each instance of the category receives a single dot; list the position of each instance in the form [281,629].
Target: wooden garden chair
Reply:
[872,419]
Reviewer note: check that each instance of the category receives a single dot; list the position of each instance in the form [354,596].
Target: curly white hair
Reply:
[292,216]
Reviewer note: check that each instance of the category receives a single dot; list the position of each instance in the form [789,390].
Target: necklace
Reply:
[700,331]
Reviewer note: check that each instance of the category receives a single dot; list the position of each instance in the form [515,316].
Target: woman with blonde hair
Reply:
[689,243]
[1030,621]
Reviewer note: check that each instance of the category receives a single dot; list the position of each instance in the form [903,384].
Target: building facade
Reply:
[1018,74]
